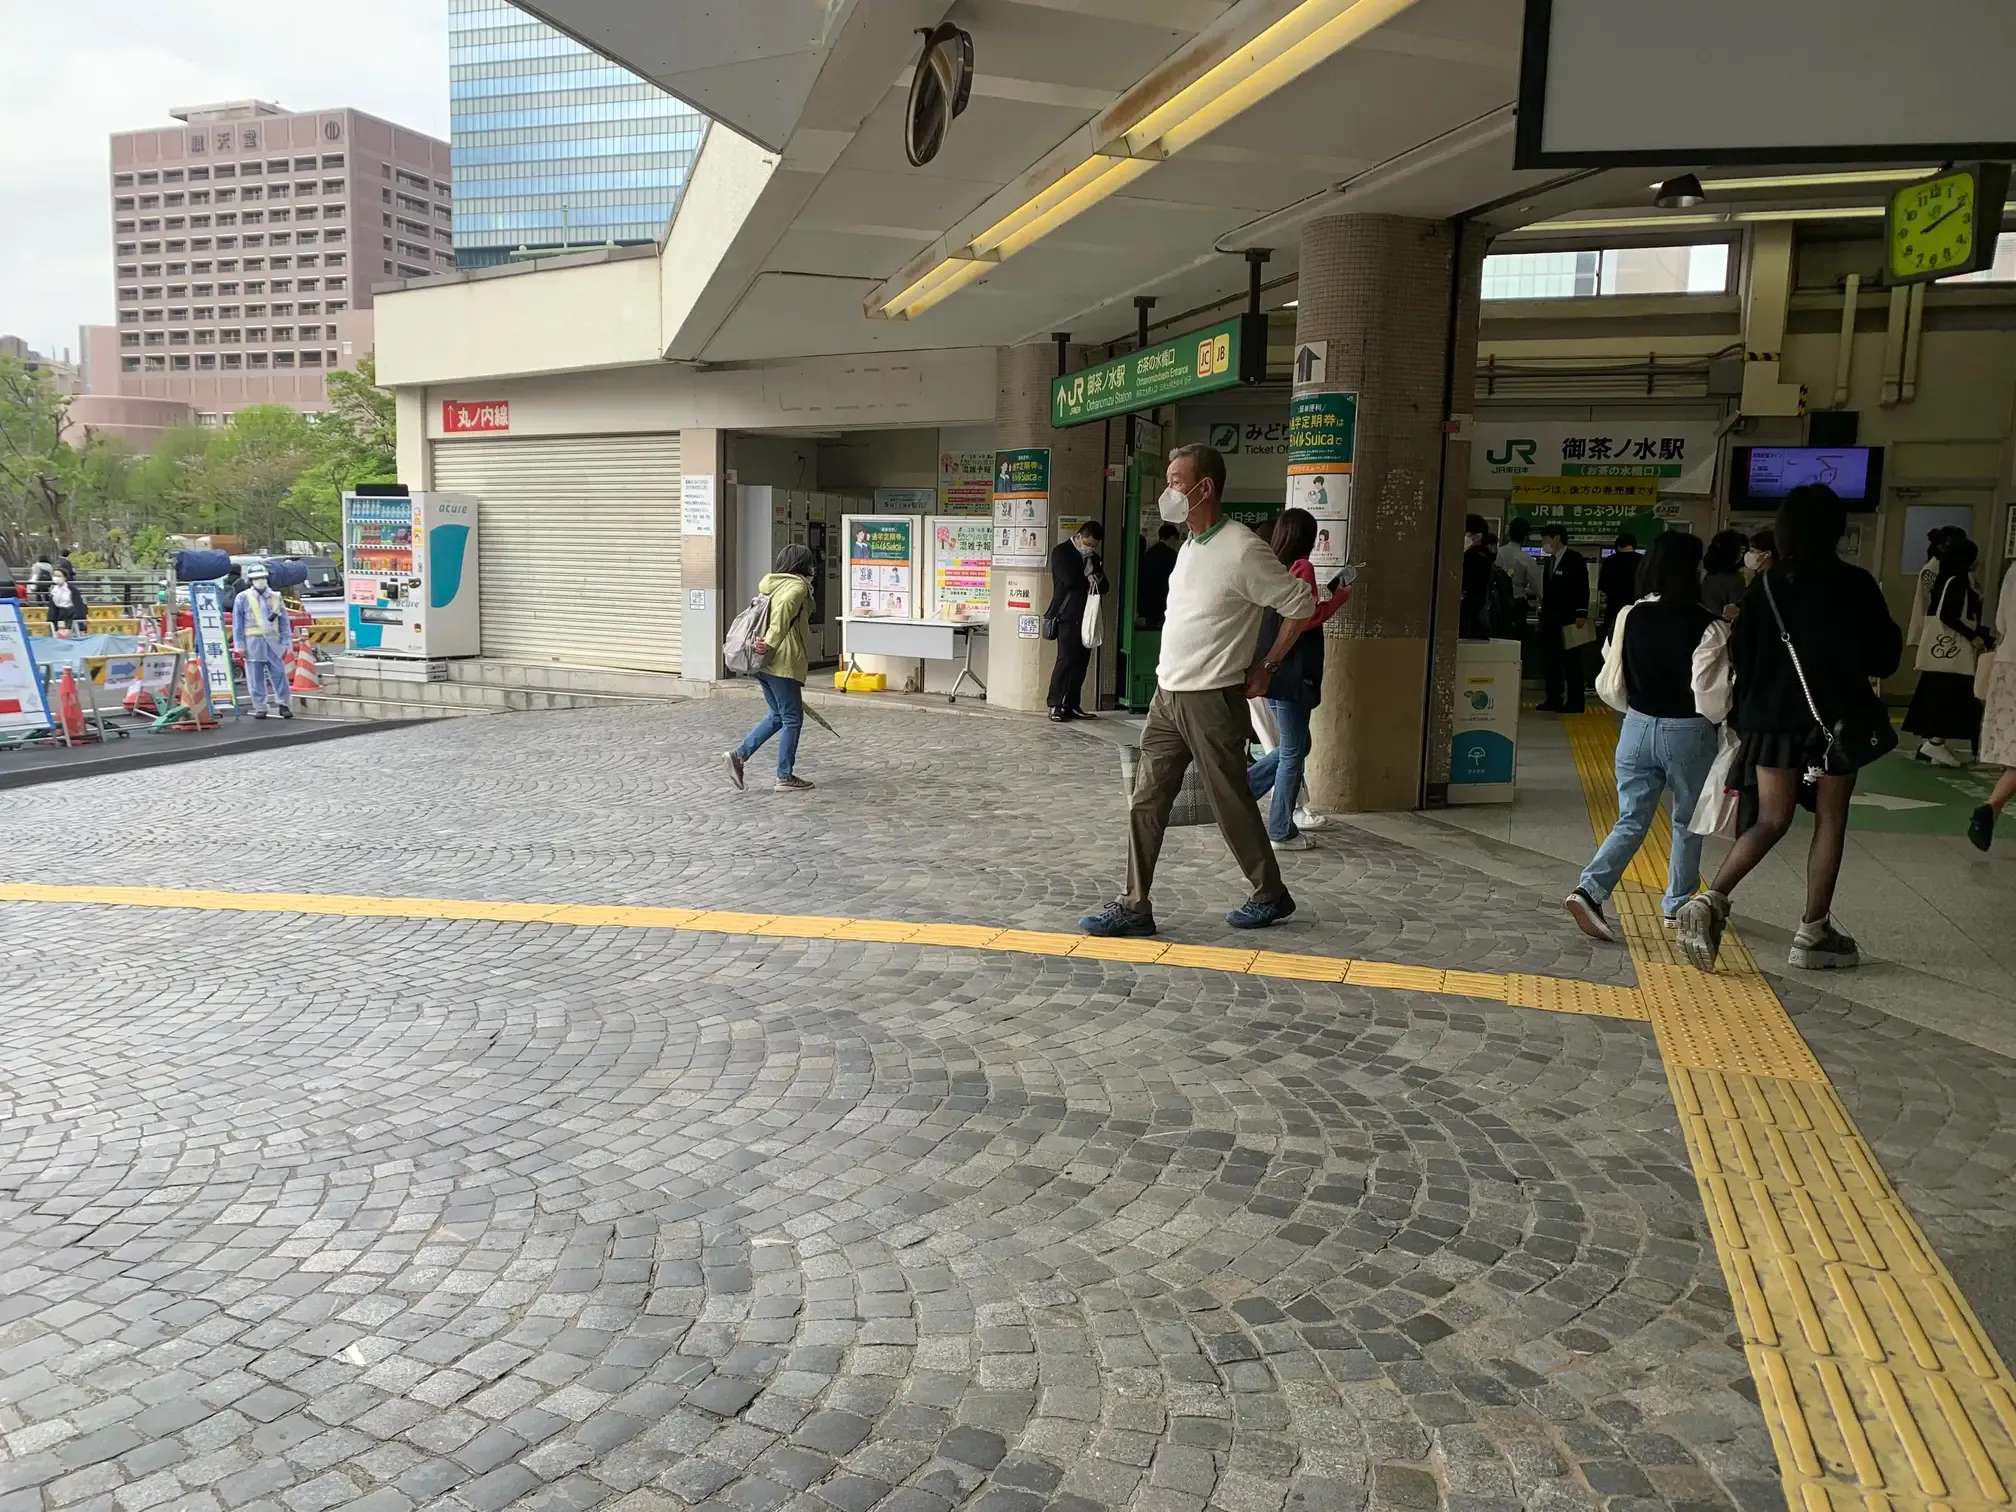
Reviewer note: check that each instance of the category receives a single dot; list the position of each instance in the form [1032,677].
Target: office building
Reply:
[246,239]
[555,146]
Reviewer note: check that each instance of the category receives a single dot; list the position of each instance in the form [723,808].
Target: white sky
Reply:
[74,72]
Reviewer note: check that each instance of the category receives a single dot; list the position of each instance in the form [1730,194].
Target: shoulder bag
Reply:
[1610,684]
[1941,648]
[1849,743]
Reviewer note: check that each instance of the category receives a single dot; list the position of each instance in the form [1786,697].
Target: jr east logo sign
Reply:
[461,417]
[1679,455]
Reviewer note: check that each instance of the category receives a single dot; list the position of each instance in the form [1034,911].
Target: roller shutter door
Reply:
[578,546]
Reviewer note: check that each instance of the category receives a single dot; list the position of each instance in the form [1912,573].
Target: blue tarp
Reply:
[283,574]
[58,654]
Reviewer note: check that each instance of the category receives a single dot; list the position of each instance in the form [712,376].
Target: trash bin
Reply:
[1484,748]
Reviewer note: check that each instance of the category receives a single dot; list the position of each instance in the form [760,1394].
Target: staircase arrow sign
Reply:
[1311,360]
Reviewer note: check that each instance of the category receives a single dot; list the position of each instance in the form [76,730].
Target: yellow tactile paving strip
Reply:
[1518,990]
[1878,1384]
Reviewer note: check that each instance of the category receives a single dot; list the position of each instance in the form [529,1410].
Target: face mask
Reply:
[1174,505]
[1754,560]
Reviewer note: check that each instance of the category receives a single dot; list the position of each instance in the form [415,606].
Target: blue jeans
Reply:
[786,698]
[1655,756]
[1281,768]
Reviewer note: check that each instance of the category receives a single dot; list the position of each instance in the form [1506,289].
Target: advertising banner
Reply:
[966,482]
[962,556]
[881,567]
[1322,439]
[1022,507]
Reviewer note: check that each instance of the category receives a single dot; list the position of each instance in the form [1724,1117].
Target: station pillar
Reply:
[1391,302]
[1018,658]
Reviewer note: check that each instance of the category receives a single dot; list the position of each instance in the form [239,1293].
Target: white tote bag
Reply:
[1610,685]
[1941,648]
[1091,629]
[1715,808]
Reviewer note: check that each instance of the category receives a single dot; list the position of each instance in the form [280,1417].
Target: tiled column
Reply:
[1396,301]
[1018,666]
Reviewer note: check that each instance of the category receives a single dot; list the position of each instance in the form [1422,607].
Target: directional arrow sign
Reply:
[1894,805]
[1312,358]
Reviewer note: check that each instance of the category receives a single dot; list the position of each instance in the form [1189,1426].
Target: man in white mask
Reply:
[1225,578]
[260,626]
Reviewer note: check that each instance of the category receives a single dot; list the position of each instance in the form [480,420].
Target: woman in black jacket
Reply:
[68,613]
[1841,631]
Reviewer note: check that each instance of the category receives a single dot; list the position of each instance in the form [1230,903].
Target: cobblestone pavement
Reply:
[303,1213]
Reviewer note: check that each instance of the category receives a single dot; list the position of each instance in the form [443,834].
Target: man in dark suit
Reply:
[1157,563]
[1075,572]
[1617,580]
[1564,602]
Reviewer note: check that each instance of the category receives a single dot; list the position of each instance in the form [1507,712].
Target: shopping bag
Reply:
[1715,808]
[1984,674]
[1576,636]
[1091,629]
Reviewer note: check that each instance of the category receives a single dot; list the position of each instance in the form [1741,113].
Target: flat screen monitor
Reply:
[1762,475]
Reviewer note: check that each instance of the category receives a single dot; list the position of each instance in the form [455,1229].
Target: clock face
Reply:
[1932,226]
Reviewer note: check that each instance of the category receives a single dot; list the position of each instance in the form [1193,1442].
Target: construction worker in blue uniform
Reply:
[260,626]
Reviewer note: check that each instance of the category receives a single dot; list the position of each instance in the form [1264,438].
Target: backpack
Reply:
[739,650]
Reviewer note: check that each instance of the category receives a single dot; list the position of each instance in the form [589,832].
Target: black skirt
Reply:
[1944,708]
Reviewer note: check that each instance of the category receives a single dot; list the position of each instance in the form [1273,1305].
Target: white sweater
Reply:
[1223,581]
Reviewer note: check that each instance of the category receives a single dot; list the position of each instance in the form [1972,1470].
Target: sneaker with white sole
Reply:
[1822,947]
[735,770]
[1304,820]
[1295,842]
[1116,921]
[792,785]
[1698,927]
[1588,916]
[1938,753]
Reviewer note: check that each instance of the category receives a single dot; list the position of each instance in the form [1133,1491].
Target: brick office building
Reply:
[246,240]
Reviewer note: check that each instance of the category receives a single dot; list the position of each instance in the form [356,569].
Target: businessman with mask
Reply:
[1225,579]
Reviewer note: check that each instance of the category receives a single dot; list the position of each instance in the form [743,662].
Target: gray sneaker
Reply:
[792,785]
[1827,950]
[1116,921]
[735,770]
[1698,928]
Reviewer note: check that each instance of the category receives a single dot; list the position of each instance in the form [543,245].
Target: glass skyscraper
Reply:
[555,146]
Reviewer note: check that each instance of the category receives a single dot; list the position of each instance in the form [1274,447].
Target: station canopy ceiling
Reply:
[1412,115]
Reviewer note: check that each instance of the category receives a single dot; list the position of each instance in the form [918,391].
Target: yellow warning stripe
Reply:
[1876,1380]
[1518,990]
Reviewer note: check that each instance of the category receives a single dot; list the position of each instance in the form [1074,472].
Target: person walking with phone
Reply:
[785,667]
[1225,580]
[1813,633]
[1295,688]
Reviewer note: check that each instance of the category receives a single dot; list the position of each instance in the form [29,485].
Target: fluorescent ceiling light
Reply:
[1820,180]
[1309,34]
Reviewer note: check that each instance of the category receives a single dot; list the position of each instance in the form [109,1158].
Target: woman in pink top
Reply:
[1295,685]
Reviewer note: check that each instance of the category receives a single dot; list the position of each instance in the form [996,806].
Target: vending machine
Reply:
[409,573]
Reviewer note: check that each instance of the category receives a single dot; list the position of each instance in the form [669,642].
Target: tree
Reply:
[40,474]
[356,442]
[238,479]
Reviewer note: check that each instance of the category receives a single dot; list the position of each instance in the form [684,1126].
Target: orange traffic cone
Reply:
[70,708]
[304,679]
[195,695]
[139,700]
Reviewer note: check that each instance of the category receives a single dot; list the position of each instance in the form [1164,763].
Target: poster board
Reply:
[1022,507]
[213,649]
[966,482]
[24,709]
[962,556]
[884,560]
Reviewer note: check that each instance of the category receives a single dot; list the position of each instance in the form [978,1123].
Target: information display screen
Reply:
[1767,473]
